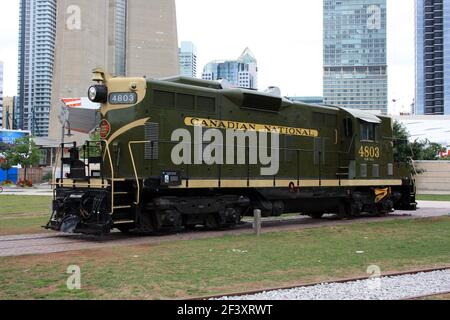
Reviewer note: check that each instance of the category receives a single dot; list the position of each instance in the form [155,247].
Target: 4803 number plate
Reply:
[123,98]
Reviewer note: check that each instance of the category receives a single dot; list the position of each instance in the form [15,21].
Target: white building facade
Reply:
[434,128]
[188,59]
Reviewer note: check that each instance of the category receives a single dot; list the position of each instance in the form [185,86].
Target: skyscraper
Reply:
[432,57]
[126,37]
[188,59]
[37,34]
[242,73]
[355,57]
[1,94]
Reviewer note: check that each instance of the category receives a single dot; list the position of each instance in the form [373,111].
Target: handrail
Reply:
[138,195]
[58,159]
[107,152]
[351,144]
[413,166]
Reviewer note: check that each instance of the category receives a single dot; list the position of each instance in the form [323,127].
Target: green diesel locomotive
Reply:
[181,152]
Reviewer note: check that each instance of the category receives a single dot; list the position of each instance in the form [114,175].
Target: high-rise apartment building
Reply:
[1,94]
[355,54]
[188,59]
[432,57]
[37,32]
[242,73]
[126,37]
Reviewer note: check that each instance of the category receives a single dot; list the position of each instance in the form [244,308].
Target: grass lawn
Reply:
[434,197]
[184,269]
[23,214]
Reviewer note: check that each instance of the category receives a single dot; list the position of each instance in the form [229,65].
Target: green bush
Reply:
[47,177]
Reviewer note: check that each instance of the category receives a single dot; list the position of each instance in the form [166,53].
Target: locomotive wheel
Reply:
[316,216]
[125,229]
[346,211]
[211,222]
[379,212]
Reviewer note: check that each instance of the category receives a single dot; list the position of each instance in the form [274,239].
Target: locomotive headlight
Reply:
[98,94]
[92,93]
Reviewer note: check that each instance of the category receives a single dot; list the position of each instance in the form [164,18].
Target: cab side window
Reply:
[348,127]
[368,131]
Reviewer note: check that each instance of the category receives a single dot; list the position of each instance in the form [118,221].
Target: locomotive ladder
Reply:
[114,180]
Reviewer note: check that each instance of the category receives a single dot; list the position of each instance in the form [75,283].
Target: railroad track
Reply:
[237,295]
[55,242]
[429,296]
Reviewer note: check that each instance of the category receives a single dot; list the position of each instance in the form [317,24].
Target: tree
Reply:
[24,152]
[95,135]
[404,150]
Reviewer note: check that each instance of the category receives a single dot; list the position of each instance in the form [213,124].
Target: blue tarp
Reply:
[13,175]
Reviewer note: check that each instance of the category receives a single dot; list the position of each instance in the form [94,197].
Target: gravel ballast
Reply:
[385,288]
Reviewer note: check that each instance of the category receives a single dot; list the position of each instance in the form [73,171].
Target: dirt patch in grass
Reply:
[229,264]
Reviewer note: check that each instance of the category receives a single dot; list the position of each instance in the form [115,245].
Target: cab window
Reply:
[348,127]
[368,131]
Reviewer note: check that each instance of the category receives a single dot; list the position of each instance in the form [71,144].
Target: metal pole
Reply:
[257,222]
[63,132]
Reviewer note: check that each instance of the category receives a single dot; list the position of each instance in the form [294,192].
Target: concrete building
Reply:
[241,73]
[432,57]
[152,38]
[188,59]
[37,34]
[355,59]
[434,177]
[8,112]
[1,94]
[126,37]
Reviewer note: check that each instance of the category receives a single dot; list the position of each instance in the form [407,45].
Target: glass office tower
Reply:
[355,54]
[241,73]
[432,57]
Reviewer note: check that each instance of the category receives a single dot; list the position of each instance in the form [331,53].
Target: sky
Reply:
[284,35]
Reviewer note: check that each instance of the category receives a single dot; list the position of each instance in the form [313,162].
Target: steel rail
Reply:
[428,296]
[312,284]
